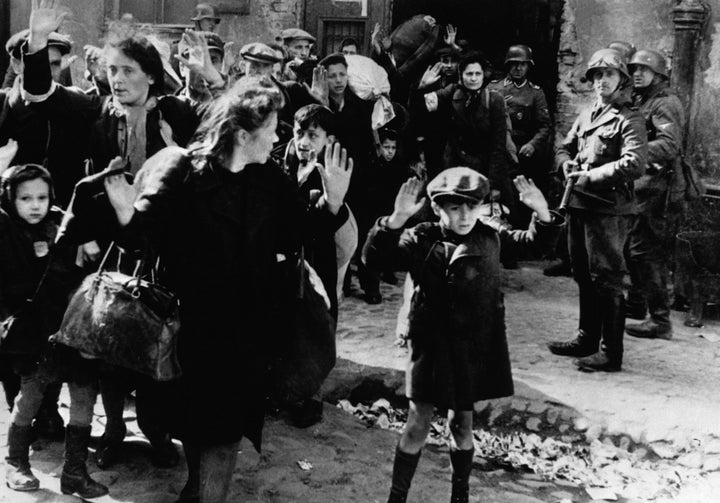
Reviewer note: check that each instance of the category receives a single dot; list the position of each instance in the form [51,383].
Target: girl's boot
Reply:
[18,475]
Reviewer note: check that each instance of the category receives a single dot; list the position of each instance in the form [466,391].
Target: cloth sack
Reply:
[369,81]
[413,45]
[309,354]
[125,321]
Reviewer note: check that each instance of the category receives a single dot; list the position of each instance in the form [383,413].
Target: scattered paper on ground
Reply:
[711,336]
[305,465]
[601,494]
[600,467]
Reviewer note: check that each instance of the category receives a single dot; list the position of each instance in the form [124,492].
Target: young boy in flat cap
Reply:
[458,349]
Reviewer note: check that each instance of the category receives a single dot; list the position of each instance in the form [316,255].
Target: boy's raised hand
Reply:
[532,197]
[406,203]
[336,174]
[45,18]
[7,154]
[319,90]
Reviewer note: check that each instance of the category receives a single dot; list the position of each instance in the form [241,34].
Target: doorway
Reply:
[492,26]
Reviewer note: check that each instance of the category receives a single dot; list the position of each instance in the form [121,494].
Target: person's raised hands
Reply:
[336,175]
[532,197]
[450,35]
[431,75]
[120,193]
[319,89]
[45,18]
[407,203]
[199,60]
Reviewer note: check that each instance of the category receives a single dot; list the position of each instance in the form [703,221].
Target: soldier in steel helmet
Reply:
[529,116]
[601,156]
[660,195]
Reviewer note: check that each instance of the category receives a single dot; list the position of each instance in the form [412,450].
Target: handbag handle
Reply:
[137,273]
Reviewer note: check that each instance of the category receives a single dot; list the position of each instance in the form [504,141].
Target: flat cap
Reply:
[214,42]
[14,43]
[259,52]
[460,183]
[205,11]
[296,33]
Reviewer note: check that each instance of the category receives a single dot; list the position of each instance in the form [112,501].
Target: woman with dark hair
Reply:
[474,122]
[134,122]
[226,223]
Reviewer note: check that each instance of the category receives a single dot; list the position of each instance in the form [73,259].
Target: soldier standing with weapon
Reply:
[660,194]
[605,150]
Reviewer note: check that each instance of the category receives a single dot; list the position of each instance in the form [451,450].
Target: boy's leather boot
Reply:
[462,466]
[404,467]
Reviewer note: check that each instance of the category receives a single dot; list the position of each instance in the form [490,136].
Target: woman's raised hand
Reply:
[120,193]
[406,203]
[336,174]
[45,18]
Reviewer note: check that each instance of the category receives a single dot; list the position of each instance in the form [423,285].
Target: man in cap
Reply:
[660,195]
[298,44]
[605,150]
[259,59]
[59,46]
[205,18]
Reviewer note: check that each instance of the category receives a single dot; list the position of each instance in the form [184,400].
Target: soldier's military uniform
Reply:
[530,119]
[609,141]
[660,196]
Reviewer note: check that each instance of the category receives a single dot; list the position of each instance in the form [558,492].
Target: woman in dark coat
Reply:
[458,348]
[134,122]
[471,121]
[225,222]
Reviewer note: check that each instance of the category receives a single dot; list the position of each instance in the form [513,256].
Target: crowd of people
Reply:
[229,165]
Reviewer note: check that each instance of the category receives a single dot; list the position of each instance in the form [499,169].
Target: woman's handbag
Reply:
[125,321]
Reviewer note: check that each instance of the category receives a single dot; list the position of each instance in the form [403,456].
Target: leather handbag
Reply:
[125,321]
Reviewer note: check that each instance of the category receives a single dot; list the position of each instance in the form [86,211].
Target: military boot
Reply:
[18,475]
[609,358]
[75,478]
[658,299]
[588,338]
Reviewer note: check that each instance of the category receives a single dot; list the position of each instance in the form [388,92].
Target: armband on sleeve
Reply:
[431,102]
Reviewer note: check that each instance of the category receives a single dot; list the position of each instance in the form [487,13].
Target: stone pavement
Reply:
[666,396]
[664,403]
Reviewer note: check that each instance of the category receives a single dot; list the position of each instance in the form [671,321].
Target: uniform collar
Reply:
[509,81]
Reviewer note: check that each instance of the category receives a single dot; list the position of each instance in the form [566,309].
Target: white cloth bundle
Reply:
[369,81]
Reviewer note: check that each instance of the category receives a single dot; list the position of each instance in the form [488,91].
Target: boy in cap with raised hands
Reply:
[458,348]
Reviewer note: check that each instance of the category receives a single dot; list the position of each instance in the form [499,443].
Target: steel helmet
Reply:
[625,48]
[520,53]
[607,58]
[652,59]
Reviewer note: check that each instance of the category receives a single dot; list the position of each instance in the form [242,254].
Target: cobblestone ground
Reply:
[665,399]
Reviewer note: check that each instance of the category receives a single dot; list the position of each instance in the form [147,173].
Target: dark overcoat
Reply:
[226,243]
[459,352]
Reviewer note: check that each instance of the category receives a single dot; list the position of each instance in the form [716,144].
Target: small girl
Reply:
[32,268]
